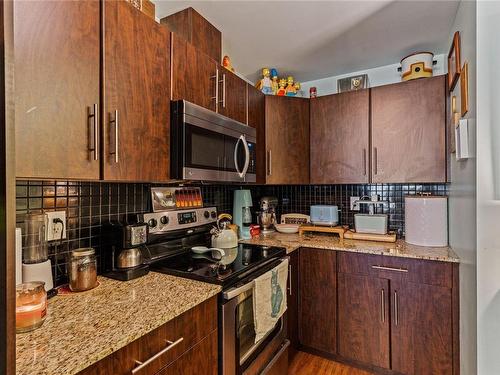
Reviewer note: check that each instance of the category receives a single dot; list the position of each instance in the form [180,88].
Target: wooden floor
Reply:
[308,364]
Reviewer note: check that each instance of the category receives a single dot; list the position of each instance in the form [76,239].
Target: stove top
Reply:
[236,264]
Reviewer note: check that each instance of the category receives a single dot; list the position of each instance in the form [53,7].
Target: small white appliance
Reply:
[372,224]
[426,220]
[325,215]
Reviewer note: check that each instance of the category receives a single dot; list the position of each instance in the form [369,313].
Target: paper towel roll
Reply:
[426,220]
[19,256]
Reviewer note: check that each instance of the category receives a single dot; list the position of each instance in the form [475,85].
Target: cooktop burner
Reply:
[234,264]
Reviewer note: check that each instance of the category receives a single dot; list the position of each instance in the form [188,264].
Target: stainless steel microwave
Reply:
[207,146]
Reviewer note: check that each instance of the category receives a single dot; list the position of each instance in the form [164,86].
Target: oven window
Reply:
[245,327]
[204,148]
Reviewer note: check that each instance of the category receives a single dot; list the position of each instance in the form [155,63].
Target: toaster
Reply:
[325,215]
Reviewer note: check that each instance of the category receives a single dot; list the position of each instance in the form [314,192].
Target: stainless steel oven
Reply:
[207,146]
[240,354]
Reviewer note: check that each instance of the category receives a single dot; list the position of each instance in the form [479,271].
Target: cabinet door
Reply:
[257,119]
[232,96]
[421,329]
[287,140]
[340,127]
[408,131]
[57,89]
[318,299]
[364,319]
[193,75]
[293,304]
[136,95]
[199,360]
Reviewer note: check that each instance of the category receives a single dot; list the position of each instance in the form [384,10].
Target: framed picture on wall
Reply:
[454,61]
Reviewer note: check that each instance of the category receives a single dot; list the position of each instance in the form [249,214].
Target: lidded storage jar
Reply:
[82,269]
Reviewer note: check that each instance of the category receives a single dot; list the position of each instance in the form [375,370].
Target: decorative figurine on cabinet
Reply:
[226,63]
[290,88]
[264,84]
[281,90]
[274,83]
[296,87]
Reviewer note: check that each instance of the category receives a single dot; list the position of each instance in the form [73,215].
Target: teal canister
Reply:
[242,203]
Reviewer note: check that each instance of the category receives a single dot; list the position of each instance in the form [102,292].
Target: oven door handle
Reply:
[234,292]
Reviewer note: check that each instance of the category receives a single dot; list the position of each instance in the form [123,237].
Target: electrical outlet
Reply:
[354,206]
[56,230]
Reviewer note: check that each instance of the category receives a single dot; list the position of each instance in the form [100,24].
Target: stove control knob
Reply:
[164,220]
[152,223]
[213,214]
[206,214]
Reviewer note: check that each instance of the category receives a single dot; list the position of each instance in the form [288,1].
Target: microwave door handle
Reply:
[236,156]
[247,156]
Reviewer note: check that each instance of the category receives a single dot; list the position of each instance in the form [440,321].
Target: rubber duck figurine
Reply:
[226,63]
[274,83]
[281,90]
[264,84]
[290,88]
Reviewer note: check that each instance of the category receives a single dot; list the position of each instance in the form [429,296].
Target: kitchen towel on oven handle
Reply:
[269,299]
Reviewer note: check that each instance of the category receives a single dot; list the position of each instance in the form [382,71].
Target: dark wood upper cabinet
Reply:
[194,75]
[318,300]
[57,89]
[421,329]
[340,126]
[408,131]
[286,141]
[364,319]
[232,96]
[194,28]
[256,107]
[136,114]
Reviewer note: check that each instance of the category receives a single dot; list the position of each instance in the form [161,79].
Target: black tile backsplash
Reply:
[89,205]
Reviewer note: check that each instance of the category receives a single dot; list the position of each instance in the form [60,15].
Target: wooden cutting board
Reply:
[322,229]
[352,235]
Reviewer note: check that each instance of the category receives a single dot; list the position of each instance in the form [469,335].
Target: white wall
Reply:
[383,75]
[462,197]
[488,205]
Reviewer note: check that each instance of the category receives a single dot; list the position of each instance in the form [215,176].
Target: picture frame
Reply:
[454,61]
[464,89]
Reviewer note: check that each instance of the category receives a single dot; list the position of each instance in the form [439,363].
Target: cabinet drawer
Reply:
[163,345]
[394,268]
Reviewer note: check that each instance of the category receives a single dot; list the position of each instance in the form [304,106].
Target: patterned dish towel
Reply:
[269,299]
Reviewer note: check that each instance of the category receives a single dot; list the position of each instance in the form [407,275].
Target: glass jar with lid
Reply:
[82,269]
[31,306]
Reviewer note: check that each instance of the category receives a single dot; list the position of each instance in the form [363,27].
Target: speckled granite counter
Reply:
[327,241]
[82,329]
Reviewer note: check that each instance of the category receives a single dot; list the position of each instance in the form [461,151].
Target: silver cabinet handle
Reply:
[170,346]
[364,161]
[223,81]
[216,97]
[375,160]
[382,305]
[390,269]
[115,121]
[269,163]
[396,308]
[289,279]
[94,147]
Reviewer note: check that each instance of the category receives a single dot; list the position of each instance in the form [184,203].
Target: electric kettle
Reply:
[222,236]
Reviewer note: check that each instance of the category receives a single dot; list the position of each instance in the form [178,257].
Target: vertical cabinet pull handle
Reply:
[375,160]
[382,305]
[94,138]
[396,308]
[216,97]
[289,279]
[269,163]
[364,162]
[116,122]
[223,81]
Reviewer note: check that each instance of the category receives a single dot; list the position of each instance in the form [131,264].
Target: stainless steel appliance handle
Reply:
[396,308]
[247,156]
[115,121]
[223,81]
[170,346]
[236,156]
[94,147]
[383,268]
[271,363]
[290,279]
[382,305]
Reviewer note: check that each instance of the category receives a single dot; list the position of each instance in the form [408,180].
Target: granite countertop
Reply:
[83,328]
[331,242]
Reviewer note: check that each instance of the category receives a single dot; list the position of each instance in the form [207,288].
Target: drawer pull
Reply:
[390,269]
[396,308]
[170,346]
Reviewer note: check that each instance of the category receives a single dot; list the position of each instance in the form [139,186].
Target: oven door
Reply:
[241,355]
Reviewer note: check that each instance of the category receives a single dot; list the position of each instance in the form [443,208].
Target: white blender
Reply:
[36,263]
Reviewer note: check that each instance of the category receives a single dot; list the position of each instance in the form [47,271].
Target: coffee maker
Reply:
[267,214]
[123,245]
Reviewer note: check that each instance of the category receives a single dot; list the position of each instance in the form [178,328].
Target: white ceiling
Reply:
[317,39]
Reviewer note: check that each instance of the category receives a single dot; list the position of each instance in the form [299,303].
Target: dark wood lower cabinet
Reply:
[293,304]
[318,300]
[363,323]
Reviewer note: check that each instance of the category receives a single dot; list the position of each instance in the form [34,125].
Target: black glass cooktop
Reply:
[235,264]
